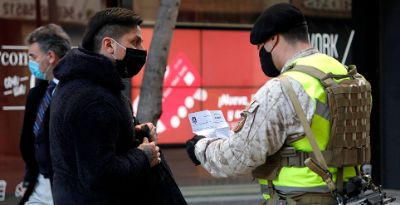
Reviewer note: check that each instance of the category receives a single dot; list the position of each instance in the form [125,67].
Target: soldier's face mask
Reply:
[267,64]
[132,62]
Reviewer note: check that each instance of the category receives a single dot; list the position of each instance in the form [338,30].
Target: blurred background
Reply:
[213,66]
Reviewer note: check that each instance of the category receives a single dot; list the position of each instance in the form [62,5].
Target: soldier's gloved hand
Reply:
[190,146]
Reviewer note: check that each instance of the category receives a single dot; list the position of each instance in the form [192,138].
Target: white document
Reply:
[209,123]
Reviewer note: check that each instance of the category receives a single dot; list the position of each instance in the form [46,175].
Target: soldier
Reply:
[269,140]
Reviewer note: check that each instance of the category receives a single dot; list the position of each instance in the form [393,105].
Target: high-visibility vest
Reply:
[302,179]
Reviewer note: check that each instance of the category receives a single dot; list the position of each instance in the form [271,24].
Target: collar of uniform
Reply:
[300,54]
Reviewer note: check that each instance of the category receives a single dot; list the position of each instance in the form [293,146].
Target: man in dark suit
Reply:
[47,45]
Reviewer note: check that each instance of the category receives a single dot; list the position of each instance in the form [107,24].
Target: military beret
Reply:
[276,19]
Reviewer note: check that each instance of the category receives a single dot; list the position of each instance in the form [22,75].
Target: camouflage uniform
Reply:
[266,123]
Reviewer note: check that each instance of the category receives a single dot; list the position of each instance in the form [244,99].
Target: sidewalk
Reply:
[246,194]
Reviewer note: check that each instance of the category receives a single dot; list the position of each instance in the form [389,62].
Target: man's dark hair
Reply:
[51,37]
[297,34]
[111,22]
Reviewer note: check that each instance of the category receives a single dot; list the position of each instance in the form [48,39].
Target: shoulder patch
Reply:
[240,124]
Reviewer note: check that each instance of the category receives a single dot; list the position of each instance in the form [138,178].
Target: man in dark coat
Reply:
[47,45]
[97,155]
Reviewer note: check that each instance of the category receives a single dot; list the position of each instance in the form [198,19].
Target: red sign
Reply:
[181,90]
[214,70]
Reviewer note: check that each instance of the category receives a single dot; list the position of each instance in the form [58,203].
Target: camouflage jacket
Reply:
[268,121]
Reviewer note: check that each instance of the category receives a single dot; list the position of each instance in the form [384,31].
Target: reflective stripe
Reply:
[295,190]
[290,190]
[322,110]
[264,189]
[263,181]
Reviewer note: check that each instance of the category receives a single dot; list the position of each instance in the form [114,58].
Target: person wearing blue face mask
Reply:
[34,67]
[46,46]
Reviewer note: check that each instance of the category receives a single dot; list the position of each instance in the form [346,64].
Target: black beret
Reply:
[276,19]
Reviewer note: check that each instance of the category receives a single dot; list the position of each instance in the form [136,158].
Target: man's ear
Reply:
[52,56]
[106,45]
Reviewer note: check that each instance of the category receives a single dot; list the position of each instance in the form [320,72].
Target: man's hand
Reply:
[151,131]
[20,190]
[151,150]
[190,147]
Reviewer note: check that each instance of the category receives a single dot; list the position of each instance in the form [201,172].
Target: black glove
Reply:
[190,145]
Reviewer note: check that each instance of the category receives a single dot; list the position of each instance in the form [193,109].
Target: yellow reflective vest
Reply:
[302,179]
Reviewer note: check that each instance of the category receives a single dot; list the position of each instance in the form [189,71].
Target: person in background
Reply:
[47,45]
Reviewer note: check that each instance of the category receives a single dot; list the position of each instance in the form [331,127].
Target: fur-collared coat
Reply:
[93,146]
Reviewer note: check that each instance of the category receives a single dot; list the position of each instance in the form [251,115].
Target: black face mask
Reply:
[132,63]
[267,64]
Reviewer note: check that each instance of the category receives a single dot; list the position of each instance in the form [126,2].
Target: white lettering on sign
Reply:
[233,115]
[346,51]
[13,55]
[325,43]
[13,85]
[226,99]
[11,81]
[19,90]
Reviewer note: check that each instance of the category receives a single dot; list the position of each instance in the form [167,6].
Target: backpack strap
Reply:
[325,78]
[339,179]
